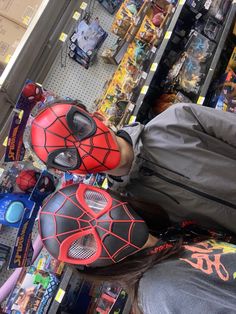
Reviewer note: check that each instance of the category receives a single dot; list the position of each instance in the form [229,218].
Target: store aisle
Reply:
[69,79]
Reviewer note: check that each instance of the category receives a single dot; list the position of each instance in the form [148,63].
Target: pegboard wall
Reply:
[69,79]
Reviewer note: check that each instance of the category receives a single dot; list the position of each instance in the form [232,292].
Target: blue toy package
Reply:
[13,207]
[224,97]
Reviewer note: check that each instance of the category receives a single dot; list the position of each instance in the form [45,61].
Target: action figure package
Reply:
[32,292]
[110,5]
[219,9]
[125,17]
[148,32]
[224,97]
[200,47]
[209,27]
[232,62]
[199,6]
[45,262]
[138,52]
[186,75]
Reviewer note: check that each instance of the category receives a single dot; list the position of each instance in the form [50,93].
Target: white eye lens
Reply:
[95,200]
[83,248]
[66,159]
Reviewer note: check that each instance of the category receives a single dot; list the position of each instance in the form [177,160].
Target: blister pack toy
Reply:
[200,47]
[224,97]
[148,32]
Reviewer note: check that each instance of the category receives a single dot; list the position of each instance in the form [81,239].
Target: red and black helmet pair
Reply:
[85,225]
[66,137]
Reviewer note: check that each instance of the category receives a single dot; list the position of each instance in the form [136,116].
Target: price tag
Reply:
[154,67]
[200,100]
[83,5]
[21,114]
[144,90]
[168,34]
[154,49]
[132,119]
[7,59]
[144,75]
[105,184]
[5,141]
[182,2]
[26,20]
[59,296]
[76,16]
[63,37]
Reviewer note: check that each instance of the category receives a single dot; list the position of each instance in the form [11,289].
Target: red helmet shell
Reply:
[88,145]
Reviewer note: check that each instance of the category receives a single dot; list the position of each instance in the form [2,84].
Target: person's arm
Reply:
[219,124]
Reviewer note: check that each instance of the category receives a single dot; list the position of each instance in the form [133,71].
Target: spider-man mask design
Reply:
[84,225]
[68,138]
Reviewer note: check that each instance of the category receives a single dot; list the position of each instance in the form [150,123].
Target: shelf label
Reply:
[59,296]
[76,16]
[105,184]
[154,49]
[182,2]
[20,115]
[7,59]
[154,67]
[200,100]
[144,75]
[83,5]
[63,37]
[132,119]
[168,34]
[5,142]
[144,90]
[26,20]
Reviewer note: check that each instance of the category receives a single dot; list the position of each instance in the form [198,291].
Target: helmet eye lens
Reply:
[83,248]
[95,200]
[67,159]
[81,124]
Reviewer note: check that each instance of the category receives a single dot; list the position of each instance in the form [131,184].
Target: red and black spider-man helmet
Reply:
[84,225]
[68,138]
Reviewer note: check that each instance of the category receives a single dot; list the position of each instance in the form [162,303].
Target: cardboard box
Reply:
[19,11]
[10,36]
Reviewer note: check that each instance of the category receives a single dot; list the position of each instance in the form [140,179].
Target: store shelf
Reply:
[158,56]
[228,23]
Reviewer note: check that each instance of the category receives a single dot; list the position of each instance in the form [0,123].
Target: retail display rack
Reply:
[157,60]
[121,102]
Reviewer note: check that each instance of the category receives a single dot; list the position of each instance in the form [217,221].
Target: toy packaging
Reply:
[219,9]
[110,5]
[199,6]
[85,42]
[200,47]
[32,292]
[47,263]
[224,97]
[148,32]
[125,17]
[232,62]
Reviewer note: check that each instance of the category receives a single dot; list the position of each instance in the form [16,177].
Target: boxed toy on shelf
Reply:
[32,292]
[85,42]
[224,97]
[110,5]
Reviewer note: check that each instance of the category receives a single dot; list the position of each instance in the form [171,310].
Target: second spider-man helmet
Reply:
[85,225]
[68,138]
